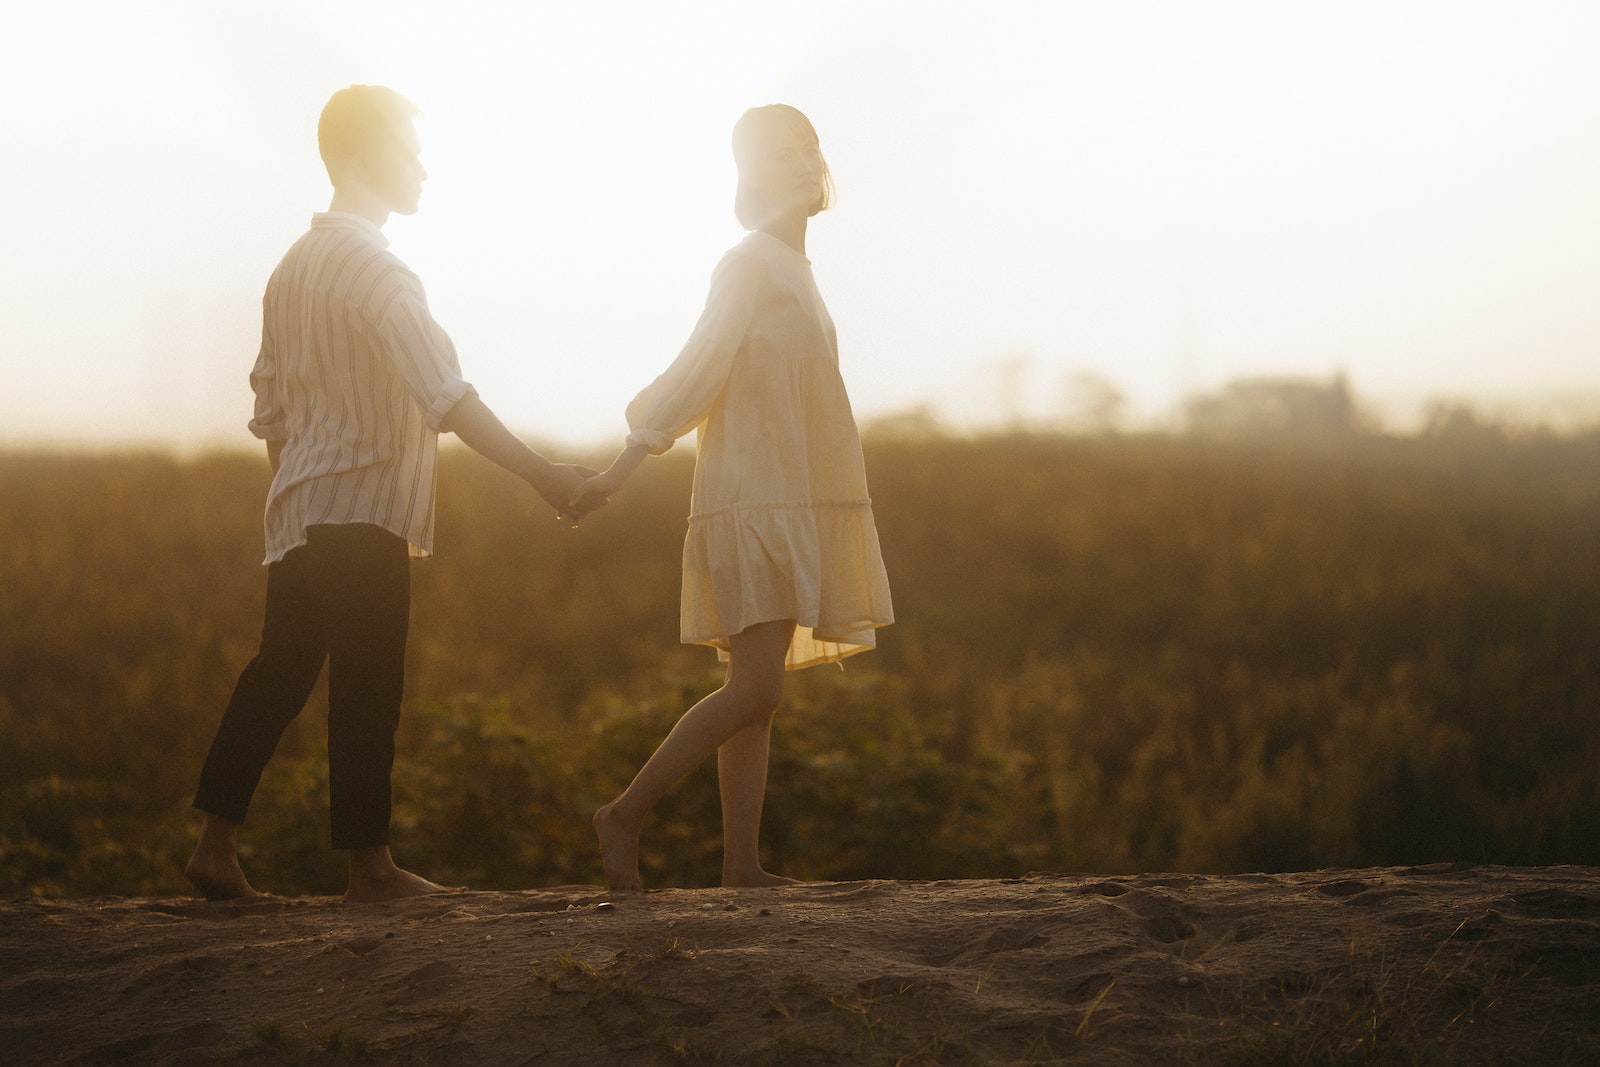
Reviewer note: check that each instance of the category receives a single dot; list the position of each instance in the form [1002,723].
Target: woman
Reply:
[781,565]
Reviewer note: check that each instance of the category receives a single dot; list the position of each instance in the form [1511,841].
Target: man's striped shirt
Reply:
[354,377]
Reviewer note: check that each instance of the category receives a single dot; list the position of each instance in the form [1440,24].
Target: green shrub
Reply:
[1111,654]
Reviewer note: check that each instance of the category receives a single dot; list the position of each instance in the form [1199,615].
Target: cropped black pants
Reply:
[345,597]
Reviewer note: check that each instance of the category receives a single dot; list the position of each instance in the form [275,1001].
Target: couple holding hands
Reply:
[355,382]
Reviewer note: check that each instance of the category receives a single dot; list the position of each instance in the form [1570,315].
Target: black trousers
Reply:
[343,597]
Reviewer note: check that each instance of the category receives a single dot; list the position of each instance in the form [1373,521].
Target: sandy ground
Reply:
[1448,964]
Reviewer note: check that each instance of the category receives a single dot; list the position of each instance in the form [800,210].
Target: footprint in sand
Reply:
[893,985]
[1162,918]
[360,946]
[1358,893]
[428,978]
[1005,939]
[185,966]
[218,909]
[835,891]
[141,1047]
[1556,904]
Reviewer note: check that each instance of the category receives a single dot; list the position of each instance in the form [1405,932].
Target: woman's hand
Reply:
[596,491]
[558,486]
[591,493]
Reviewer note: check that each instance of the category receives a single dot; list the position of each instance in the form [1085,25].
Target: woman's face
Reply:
[788,172]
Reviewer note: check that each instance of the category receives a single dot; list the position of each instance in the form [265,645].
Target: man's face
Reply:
[396,173]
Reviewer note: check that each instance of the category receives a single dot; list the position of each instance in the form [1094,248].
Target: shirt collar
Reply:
[350,220]
[776,247]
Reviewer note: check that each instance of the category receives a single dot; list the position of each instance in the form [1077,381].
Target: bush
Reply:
[1112,654]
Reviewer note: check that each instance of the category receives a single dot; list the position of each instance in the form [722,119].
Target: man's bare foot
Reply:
[757,879]
[218,878]
[214,868]
[374,877]
[395,886]
[619,849]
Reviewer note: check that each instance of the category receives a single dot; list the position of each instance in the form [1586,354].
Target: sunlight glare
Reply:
[1167,195]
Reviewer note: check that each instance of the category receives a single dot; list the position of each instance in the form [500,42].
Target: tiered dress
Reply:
[780,523]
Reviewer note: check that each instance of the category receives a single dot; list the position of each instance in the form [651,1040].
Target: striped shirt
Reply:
[354,377]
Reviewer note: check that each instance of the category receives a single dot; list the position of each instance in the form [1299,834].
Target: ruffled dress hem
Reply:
[808,647]
[818,564]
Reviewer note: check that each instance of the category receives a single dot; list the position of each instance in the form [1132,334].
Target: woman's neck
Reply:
[791,230]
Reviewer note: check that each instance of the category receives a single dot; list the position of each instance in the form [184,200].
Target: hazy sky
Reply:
[1167,195]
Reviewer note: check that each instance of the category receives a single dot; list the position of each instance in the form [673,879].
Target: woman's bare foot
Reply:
[374,877]
[619,849]
[756,879]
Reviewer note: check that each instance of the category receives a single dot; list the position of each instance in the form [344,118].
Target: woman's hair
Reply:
[751,134]
[362,120]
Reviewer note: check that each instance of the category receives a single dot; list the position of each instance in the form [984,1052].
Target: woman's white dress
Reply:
[780,524]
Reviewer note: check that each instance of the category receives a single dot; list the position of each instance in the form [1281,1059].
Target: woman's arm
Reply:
[679,400]
[681,397]
[594,492]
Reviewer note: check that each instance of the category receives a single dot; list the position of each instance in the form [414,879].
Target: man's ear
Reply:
[354,173]
[339,172]
[359,168]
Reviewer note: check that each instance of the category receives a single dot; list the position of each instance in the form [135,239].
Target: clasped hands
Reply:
[580,491]
[584,490]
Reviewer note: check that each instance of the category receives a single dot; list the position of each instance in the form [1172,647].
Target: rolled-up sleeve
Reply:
[421,353]
[684,394]
[270,422]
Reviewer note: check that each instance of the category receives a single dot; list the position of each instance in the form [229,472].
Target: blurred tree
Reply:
[1091,403]
[1274,407]
[921,422]
[1458,420]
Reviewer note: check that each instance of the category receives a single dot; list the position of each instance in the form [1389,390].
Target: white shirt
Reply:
[354,377]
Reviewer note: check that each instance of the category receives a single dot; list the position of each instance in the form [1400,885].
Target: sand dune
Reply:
[1449,964]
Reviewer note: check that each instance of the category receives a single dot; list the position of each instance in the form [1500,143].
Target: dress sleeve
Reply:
[684,394]
[419,350]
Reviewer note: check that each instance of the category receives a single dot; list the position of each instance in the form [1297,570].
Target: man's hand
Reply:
[559,487]
[594,492]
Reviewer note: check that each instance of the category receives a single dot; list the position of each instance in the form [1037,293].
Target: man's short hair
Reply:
[362,120]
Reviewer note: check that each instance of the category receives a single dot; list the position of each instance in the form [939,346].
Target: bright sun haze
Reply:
[1163,195]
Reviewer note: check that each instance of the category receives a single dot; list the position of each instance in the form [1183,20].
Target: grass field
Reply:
[1113,654]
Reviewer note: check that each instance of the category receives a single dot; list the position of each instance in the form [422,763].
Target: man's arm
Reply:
[483,432]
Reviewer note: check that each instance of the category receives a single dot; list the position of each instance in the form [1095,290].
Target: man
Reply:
[353,385]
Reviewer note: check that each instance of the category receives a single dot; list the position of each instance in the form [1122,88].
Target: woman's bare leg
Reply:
[742,779]
[749,696]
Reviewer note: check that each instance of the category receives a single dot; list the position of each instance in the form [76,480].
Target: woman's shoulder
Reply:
[761,259]
[748,254]
[742,267]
